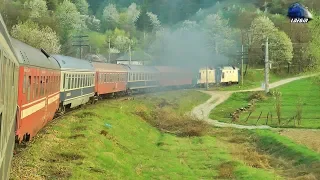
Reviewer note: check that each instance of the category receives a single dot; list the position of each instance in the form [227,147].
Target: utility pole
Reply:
[109,60]
[129,53]
[80,43]
[207,86]
[267,66]
[242,54]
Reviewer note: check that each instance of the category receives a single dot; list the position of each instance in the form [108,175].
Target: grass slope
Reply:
[82,146]
[307,90]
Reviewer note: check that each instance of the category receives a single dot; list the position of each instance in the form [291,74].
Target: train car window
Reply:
[84,80]
[223,75]
[24,83]
[47,85]
[41,86]
[79,80]
[29,89]
[52,87]
[69,81]
[36,79]
[65,81]
[73,81]
[92,79]
[81,84]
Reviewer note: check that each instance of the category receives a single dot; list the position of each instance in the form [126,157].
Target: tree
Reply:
[68,16]
[133,13]
[314,45]
[120,39]
[219,33]
[93,23]
[280,45]
[261,27]
[97,42]
[280,48]
[82,6]
[69,20]
[189,25]
[156,24]
[37,8]
[30,33]
[111,16]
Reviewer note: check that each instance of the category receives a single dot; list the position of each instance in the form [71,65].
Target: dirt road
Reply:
[217,97]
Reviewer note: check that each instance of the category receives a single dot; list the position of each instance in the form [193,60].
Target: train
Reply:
[226,75]
[36,86]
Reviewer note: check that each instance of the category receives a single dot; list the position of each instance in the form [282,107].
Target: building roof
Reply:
[107,67]
[29,55]
[73,64]
[136,56]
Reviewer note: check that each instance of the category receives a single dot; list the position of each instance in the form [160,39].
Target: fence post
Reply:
[248,116]
[267,118]
[259,118]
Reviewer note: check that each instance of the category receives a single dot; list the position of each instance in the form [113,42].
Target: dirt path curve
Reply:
[217,97]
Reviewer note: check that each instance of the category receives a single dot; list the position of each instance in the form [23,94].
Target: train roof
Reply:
[28,55]
[229,68]
[139,68]
[164,69]
[68,63]
[100,66]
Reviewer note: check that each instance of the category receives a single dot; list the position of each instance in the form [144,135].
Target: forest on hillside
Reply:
[189,32]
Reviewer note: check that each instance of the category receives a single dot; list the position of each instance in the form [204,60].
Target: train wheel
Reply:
[62,109]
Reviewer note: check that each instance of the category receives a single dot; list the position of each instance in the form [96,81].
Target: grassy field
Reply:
[118,140]
[305,91]
[253,79]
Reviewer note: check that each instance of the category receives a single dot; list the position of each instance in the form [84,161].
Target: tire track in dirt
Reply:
[202,111]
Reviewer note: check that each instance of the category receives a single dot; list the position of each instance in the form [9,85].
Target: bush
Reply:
[166,120]
[259,95]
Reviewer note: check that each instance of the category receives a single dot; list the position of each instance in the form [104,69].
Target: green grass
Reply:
[308,90]
[303,160]
[283,147]
[81,146]
[253,79]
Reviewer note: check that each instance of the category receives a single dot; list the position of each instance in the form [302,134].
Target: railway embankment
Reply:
[150,137]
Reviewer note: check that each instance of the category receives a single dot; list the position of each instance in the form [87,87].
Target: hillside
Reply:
[117,139]
[160,27]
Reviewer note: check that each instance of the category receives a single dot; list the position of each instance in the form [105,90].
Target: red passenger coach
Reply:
[110,78]
[171,76]
[38,90]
